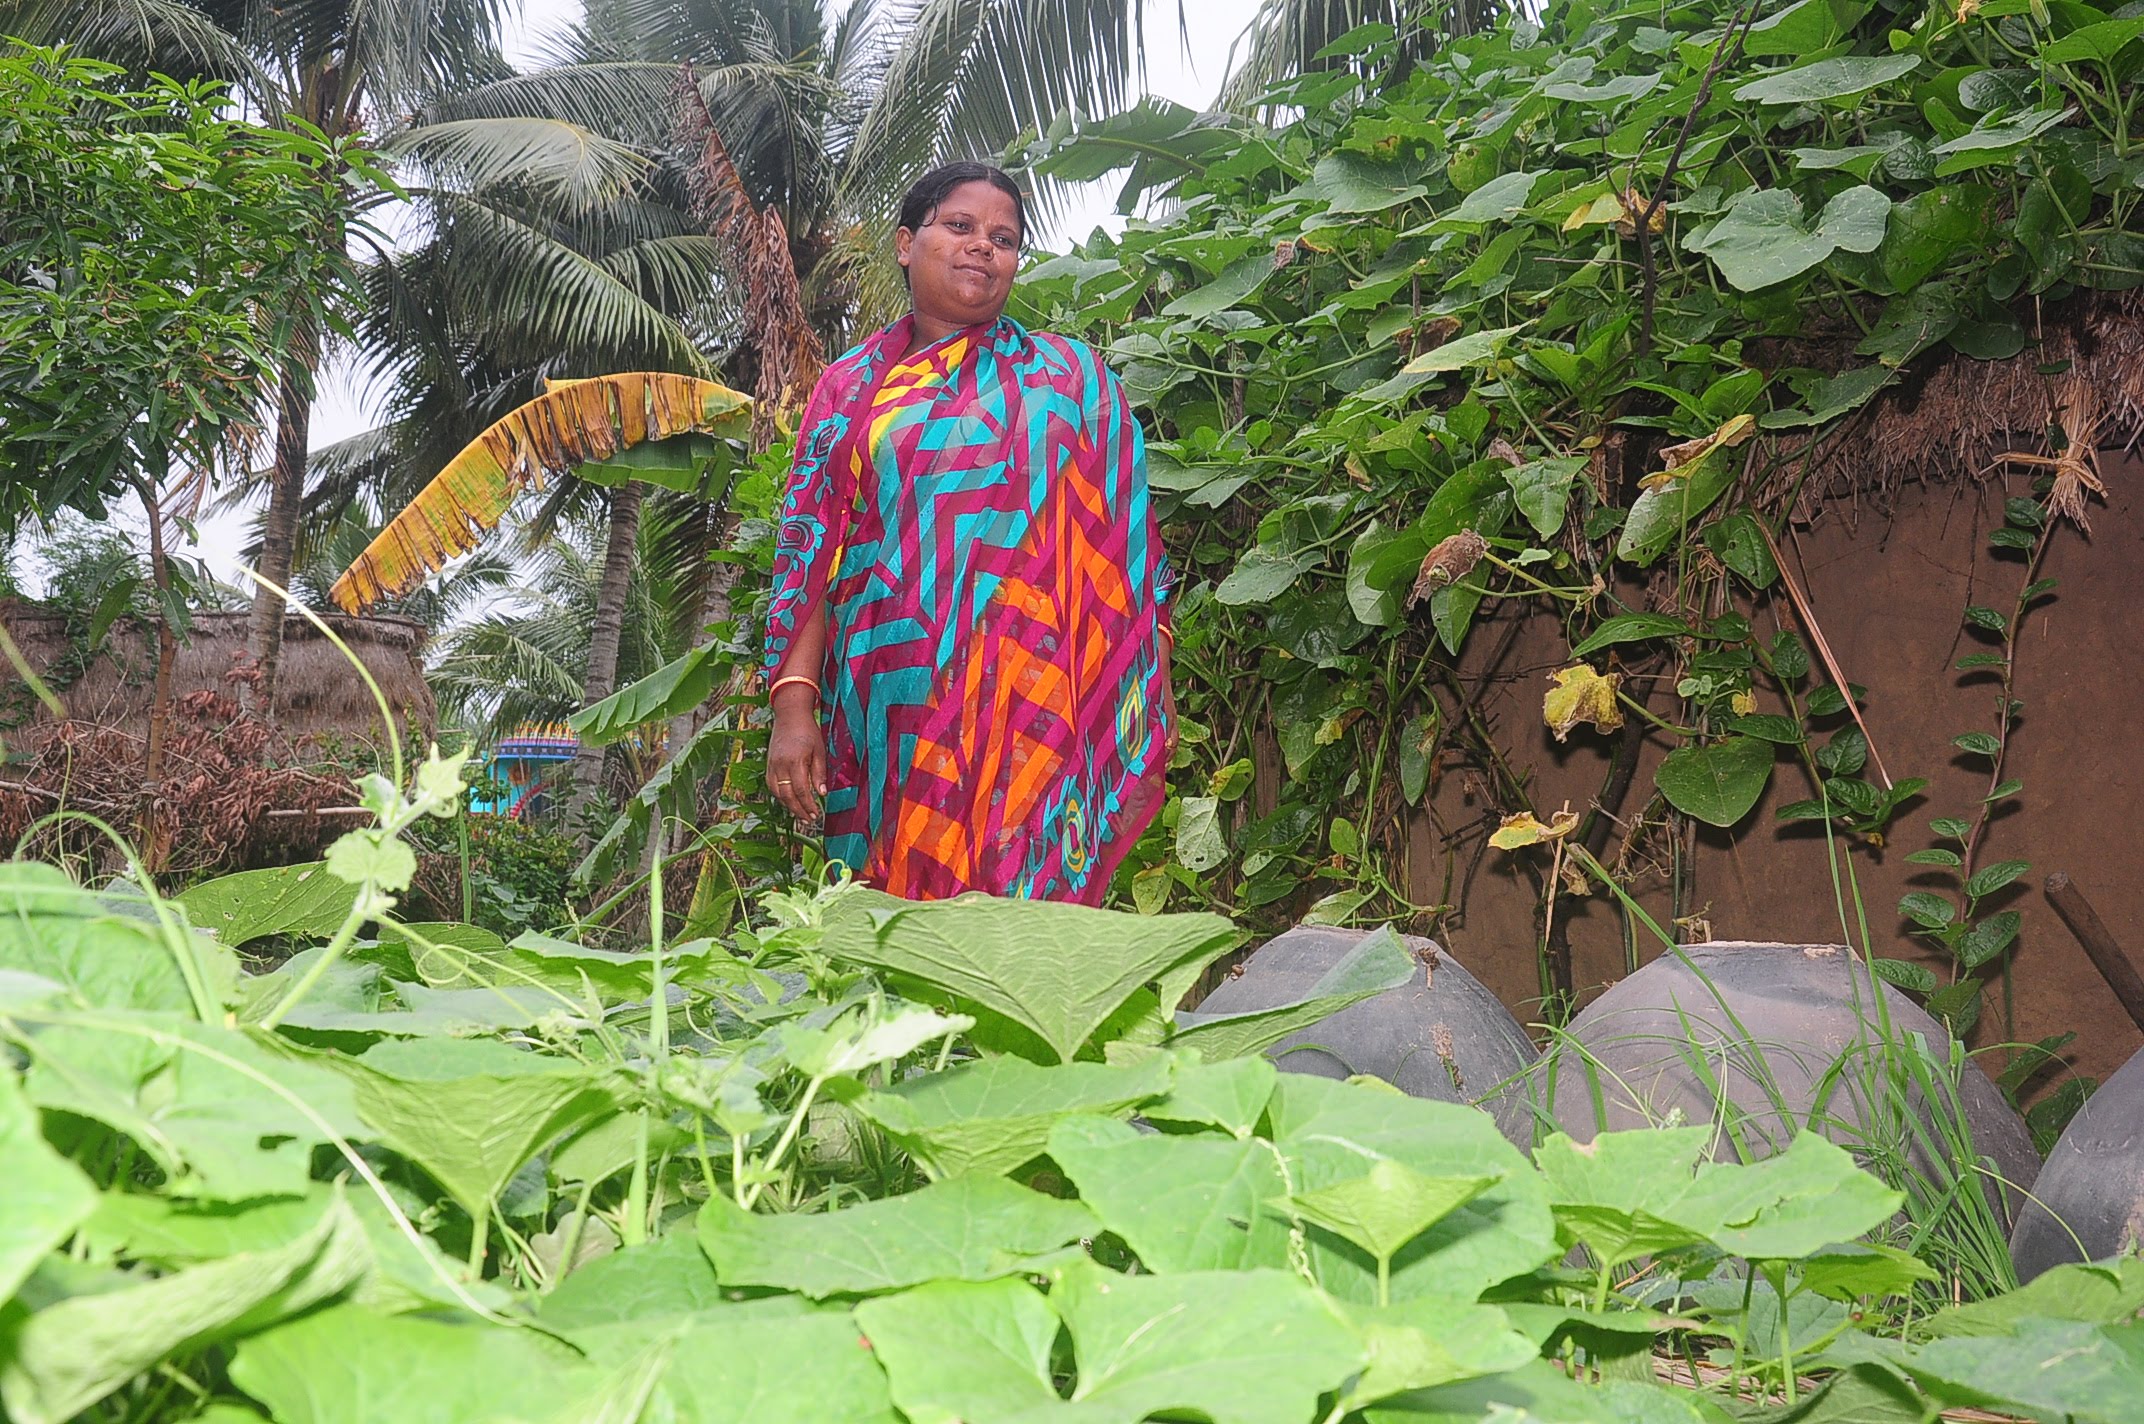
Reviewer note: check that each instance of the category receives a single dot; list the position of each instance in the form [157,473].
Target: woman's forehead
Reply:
[978,199]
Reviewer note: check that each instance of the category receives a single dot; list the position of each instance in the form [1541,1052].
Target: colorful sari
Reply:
[976,517]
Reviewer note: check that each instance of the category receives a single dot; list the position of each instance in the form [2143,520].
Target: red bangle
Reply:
[782,682]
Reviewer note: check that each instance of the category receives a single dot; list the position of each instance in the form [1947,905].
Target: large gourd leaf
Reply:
[43,1196]
[1335,1132]
[1379,962]
[223,1116]
[760,1370]
[1248,1347]
[472,1111]
[348,1365]
[54,929]
[576,423]
[1192,1203]
[961,1352]
[69,1355]
[1630,1194]
[996,1114]
[972,1228]
[2044,1369]
[302,900]
[1057,970]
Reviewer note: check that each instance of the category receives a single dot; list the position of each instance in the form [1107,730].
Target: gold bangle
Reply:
[782,682]
[1166,632]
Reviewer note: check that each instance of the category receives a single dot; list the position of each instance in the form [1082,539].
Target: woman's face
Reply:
[961,261]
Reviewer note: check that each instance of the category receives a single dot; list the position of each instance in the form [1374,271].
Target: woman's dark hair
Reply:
[931,190]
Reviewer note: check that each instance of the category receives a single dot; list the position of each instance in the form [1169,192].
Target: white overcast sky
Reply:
[1190,74]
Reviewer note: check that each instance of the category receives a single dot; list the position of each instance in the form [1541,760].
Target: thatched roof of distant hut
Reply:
[236,790]
[318,694]
[1952,417]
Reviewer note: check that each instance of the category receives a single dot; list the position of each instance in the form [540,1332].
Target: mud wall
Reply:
[1888,586]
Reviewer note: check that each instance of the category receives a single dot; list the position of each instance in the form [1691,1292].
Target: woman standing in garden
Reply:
[968,648]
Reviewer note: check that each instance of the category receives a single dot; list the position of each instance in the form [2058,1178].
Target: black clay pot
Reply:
[1786,1035]
[2093,1183]
[1440,1035]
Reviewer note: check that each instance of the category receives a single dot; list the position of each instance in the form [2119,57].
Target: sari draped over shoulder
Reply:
[975,515]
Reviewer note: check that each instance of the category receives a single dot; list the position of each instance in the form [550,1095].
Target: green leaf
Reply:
[1234,286]
[1981,616]
[2103,1293]
[1987,940]
[301,900]
[349,1365]
[1230,1095]
[1718,783]
[1851,1270]
[1476,348]
[995,1115]
[1823,79]
[1957,1006]
[1354,183]
[1628,1194]
[2043,1369]
[1417,740]
[1262,575]
[1183,1203]
[43,1196]
[2009,786]
[1615,1195]
[1926,909]
[961,1350]
[223,1117]
[1978,743]
[53,929]
[1497,200]
[1057,970]
[1542,490]
[1991,878]
[1379,961]
[1951,828]
[372,858]
[972,1228]
[472,1111]
[1979,660]
[1918,978]
[1386,1207]
[66,1357]
[2099,42]
[1334,1132]
[1762,239]
[1250,1347]
[675,688]
[1423,1343]
[1768,727]
[1737,540]
[1632,628]
[1658,516]
[1936,856]
[1199,843]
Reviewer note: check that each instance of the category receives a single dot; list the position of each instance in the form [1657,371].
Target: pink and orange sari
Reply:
[975,514]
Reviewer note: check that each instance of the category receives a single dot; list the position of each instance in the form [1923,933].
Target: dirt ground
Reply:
[1888,586]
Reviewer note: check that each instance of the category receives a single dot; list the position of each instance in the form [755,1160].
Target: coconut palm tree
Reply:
[345,67]
[800,132]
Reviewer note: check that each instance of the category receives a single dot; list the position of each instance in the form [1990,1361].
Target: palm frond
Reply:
[564,163]
[551,436]
[630,100]
[170,36]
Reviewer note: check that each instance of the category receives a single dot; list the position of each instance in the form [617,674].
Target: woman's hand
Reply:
[796,754]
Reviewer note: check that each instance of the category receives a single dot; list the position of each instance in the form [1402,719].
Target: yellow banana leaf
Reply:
[572,424]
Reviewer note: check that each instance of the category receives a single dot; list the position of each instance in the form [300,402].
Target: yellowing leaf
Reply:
[1607,208]
[1581,695]
[1744,702]
[1676,460]
[1635,205]
[572,424]
[1524,830]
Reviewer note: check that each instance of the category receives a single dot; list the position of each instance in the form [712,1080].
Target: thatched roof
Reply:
[1953,417]
[318,693]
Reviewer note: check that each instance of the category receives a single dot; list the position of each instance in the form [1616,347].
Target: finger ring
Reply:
[783,782]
